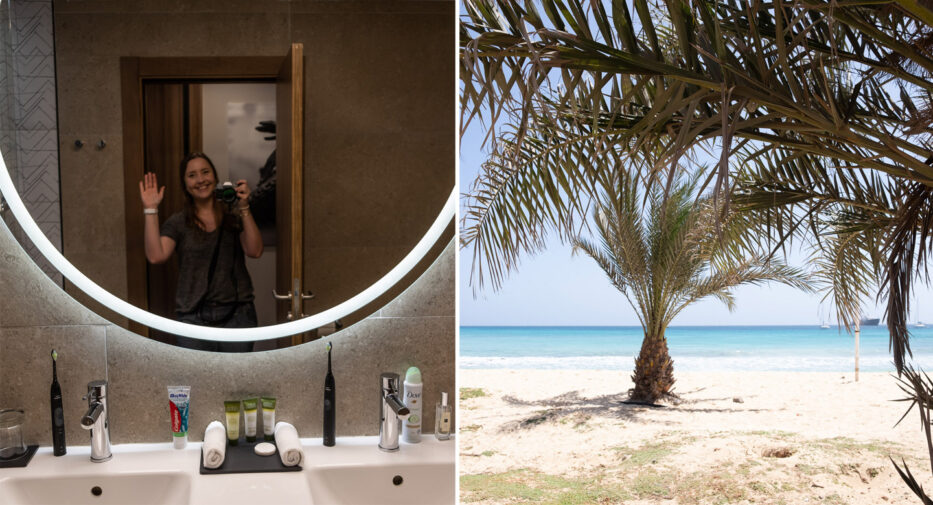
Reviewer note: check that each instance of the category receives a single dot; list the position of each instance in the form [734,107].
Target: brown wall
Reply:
[379,122]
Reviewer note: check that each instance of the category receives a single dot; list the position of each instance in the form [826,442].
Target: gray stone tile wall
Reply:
[35,316]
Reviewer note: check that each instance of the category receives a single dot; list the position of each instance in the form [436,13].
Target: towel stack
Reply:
[286,440]
[215,445]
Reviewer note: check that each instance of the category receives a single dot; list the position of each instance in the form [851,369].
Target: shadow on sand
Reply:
[572,407]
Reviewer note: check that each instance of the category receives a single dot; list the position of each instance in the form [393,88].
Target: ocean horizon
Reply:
[793,348]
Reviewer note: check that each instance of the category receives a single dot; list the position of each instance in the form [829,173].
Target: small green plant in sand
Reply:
[651,484]
[487,453]
[845,444]
[579,421]
[717,486]
[806,469]
[760,487]
[653,452]
[469,393]
[746,467]
[650,473]
[581,426]
[529,486]
[512,485]
[834,499]
[774,434]
[539,417]
[648,454]
[470,427]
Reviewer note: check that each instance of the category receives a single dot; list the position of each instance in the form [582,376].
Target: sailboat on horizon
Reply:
[823,324]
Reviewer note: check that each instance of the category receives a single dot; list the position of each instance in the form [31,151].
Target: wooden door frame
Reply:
[133,72]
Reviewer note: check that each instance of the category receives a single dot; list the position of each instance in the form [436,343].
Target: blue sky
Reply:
[556,288]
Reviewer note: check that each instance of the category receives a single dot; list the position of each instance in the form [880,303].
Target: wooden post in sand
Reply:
[858,324]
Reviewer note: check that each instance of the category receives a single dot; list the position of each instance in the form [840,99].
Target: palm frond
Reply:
[919,390]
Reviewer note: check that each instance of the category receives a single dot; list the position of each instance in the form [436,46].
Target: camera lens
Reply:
[226,193]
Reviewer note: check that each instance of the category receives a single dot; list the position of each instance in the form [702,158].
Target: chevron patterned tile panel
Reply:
[32,27]
[34,119]
[34,65]
[37,140]
[35,103]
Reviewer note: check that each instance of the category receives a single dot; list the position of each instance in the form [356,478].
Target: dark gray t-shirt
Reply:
[195,248]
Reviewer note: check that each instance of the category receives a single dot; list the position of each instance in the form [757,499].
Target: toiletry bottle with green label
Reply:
[250,411]
[411,430]
[232,410]
[268,418]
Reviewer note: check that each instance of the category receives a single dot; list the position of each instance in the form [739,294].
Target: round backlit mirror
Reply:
[348,149]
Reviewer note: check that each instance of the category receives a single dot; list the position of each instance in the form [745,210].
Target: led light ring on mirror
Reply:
[151,320]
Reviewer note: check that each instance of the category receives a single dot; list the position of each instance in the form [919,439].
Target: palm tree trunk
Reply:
[654,371]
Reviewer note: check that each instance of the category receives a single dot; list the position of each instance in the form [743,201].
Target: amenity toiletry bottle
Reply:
[250,411]
[411,430]
[58,415]
[442,419]
[268,418]
[330,407]
[232,411]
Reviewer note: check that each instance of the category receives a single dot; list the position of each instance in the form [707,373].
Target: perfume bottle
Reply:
[442,419]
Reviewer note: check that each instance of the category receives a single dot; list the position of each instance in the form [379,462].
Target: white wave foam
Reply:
[875,363]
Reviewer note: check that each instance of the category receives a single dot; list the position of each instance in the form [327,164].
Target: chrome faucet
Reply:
[95,420]
[392,412]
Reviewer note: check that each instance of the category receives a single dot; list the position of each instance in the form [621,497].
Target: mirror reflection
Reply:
[345,150]
[212,235]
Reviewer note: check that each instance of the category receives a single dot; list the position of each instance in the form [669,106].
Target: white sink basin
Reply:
[354,472]
[139,489]
[410,484]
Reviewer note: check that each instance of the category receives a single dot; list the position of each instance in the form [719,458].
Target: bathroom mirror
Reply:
[375,151]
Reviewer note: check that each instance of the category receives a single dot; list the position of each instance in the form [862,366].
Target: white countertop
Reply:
[329,475]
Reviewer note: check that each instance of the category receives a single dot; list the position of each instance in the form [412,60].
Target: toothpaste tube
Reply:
[178,401]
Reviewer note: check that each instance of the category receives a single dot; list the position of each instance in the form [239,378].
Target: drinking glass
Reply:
[11,433]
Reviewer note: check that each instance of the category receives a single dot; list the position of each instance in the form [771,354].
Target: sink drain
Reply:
[397,480]
[97,491]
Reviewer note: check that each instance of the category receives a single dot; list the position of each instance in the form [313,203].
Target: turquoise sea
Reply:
[693,348]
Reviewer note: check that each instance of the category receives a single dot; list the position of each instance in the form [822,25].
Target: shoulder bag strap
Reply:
[210,271]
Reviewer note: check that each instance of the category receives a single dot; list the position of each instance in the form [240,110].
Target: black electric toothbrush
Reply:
[58,417]
[330,407]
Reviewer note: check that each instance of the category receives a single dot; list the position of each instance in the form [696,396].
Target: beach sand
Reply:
[559,436]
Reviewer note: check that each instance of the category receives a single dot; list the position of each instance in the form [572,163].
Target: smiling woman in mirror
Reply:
[212,235]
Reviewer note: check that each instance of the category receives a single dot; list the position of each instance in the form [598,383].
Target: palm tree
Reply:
[667,256]
[798,91]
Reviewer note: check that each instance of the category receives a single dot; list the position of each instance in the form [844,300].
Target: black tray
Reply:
[241,458]
[20,461]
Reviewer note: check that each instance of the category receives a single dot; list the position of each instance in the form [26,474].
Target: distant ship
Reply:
[823,324]
[869,321]
[920,324]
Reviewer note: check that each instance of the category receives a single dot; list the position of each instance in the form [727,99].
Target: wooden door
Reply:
[136,74]
[289,104]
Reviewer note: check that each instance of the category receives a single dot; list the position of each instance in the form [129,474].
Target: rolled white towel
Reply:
[214,448]
[286,441]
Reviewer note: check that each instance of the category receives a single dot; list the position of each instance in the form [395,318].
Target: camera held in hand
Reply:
[226,193]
